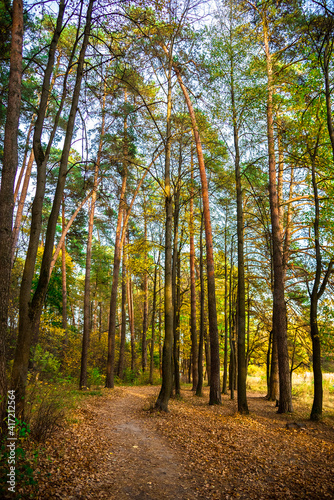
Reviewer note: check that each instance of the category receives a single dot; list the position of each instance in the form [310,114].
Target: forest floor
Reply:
[118,448]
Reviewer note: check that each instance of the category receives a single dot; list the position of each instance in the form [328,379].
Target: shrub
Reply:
[46,363]
[25,456]
[46,420]
[44,410]
[94,377]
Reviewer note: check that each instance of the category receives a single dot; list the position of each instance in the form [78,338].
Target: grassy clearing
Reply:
[302,387]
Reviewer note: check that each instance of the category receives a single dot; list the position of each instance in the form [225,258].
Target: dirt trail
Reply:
[114,450]
[140,464]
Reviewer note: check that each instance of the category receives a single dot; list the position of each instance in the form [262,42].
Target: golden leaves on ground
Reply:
[68,463]
[250,457]
[213,452]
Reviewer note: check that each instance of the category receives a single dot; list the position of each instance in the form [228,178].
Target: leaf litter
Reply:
[120,449]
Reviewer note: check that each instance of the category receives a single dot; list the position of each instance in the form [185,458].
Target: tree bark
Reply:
[145,305]
[167,368]
[132,323]
[215,395]
[177,306]
[193,326]
[328,90]
[316,412]
[9,168]
[30,310]
[176,284]
[63,273]
[315,295]
[279,326]
[87,306]
[153,321]
[26,313]
[199,388]
[274,376]
[207,351]
[120,370]
[19,180]
[64,286]
[224,390]
[114,287]
[20,206]
[160,326]
[241,298]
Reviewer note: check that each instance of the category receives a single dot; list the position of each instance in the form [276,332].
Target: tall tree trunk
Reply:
[20,206]
[64,284]
[27,314]
[28,172]
[167,368]
[215,395]
[167,371]
[177,306]
[270,342]
[315,295]
[120,370]
[316,412]
[328,90]
[232,325]
[207,351]
[117,260]
[30,310]
[41,158]
[232,356]
[131,323]
[114,287]
[153,321]
[241,299]
[199,388]
[9,168]
[279,306]
[100,321]
[87,306]
[274,377]
[63,273]
[160,326]
[273,394]
[224,391]
[145,305]
[26,150]
[288,227]
[176,283]
[193,326]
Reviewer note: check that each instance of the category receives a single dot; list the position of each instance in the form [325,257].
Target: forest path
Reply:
[111,448]
[139,463]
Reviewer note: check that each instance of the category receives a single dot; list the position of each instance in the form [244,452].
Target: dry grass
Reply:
[302,387]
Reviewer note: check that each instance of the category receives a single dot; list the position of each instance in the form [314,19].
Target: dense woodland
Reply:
[166,195]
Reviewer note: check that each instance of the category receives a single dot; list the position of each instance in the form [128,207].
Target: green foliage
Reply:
[94,376]
[46,363]
[25,460]
[54,293]
[214,61]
